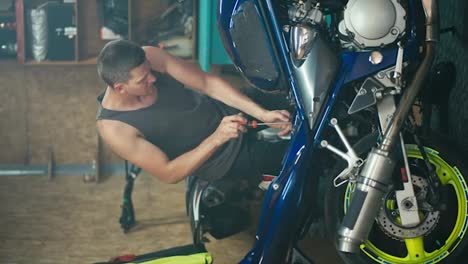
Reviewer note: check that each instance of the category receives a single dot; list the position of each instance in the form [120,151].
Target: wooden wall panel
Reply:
[13,136]
[49,106]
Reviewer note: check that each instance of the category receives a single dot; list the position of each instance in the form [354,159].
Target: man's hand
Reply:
[229,128]
[278,116]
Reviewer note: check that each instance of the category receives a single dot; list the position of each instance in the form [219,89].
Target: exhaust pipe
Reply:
[372,183]
[401,113]
[432,20]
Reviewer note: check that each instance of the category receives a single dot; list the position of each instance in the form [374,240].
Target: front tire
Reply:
[444,239]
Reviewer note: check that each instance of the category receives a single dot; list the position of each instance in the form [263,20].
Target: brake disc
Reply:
[388,218]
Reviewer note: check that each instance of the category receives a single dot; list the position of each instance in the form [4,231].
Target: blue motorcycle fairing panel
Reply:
[277,226]
[246,41]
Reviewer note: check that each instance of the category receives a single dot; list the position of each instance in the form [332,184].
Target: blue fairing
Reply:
[282,207]
[248,44]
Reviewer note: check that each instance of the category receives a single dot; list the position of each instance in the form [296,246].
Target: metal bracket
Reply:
[366,96]
[354,162]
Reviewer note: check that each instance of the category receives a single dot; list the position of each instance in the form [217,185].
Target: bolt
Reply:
[275,186]
[324,143]
[407,204]
[378,95]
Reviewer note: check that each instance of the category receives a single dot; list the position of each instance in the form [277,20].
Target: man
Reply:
[173,120]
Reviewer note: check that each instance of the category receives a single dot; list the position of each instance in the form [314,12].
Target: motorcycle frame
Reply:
[288,205]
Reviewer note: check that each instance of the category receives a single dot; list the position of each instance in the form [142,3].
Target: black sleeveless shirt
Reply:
[178,122]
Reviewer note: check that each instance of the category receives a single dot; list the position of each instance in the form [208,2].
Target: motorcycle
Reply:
[353,71]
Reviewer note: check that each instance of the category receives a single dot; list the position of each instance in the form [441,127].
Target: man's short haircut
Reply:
[117,59]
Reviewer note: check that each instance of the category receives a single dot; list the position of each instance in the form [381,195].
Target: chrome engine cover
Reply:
[373,23]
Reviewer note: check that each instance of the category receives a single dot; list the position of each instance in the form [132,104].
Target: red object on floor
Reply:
[124,258]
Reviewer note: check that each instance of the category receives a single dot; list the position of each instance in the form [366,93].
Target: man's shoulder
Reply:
[112,128]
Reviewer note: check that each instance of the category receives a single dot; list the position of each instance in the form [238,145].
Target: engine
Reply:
[363,24]
[373,23]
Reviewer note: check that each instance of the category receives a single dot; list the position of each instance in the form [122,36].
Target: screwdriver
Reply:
[255,124]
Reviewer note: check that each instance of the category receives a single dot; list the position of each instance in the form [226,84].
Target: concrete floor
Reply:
[68,221]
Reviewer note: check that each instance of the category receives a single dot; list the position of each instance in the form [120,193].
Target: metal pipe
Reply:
[401,113]
[22,172]
[432,36]
[59,170]
[204,34]
[371,186]
[432,20]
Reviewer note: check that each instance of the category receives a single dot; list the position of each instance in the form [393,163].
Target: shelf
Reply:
[87,41]
[7,61]
[89,61]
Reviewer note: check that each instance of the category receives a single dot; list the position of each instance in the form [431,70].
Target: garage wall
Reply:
[44,106]
[451,45]
[454,47]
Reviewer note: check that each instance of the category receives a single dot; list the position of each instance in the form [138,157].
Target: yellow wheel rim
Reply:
[416,251]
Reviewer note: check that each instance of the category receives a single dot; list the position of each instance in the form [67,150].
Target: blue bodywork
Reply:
[287,207]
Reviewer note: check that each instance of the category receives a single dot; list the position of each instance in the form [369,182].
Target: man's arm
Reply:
[192,76]
[127,142]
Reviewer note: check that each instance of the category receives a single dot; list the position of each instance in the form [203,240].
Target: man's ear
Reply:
[119,87]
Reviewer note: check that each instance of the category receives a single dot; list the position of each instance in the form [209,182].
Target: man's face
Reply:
[141,82]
